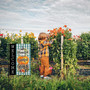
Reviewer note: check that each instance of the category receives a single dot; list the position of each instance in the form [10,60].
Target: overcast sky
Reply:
[40,15]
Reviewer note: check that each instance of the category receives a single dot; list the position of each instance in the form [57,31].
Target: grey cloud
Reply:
[45,14]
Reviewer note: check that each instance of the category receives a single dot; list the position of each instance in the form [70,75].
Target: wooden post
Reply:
[21,39]
[62,56]
[0,42]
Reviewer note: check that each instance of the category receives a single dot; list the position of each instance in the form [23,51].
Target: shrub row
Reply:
[16,39]
[83,47]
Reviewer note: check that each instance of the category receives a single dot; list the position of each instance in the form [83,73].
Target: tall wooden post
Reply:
[62,56]
[21,39]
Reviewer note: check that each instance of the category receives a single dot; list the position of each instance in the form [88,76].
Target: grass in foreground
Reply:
[34,82]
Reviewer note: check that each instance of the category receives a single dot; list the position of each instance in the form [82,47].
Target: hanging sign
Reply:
[23,59]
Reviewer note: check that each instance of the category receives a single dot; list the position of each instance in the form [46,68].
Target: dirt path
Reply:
[84,66]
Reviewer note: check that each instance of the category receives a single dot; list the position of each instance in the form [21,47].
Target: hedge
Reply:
[83,47]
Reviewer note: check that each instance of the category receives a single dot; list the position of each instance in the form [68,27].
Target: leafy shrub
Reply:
[28,38]
[69,49]
[3,48]
[34,82]
[4,81]
[35,67]
[83,47]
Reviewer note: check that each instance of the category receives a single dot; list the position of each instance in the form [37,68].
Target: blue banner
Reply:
[23,59]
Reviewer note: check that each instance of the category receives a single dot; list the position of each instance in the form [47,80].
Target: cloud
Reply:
[41,15]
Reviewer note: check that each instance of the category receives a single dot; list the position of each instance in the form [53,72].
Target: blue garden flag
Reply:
[20,59]
[23,59]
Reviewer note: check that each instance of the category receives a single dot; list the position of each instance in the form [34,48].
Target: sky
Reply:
[41,15]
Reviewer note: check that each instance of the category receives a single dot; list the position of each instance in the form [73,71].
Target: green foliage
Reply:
[83,47]
[4,81]
[13,39]
[3,48]
[70,60]
[35,67]
[34,82]
[69,52]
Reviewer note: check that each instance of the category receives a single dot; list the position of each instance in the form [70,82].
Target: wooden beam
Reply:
[21,39]
[61,52]
[62,57]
